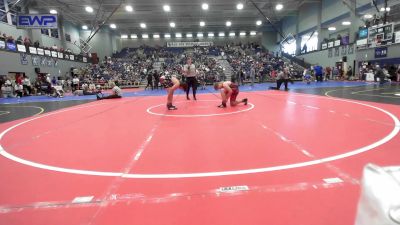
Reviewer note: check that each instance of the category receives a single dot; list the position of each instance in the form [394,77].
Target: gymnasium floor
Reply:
[286,158]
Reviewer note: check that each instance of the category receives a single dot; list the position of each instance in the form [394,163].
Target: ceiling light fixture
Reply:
[172,24]
[242,33]
[221,34]
[202,23]
[331,28]
[239,6]
[89,9]
[124,36]
[128,8]
[145,36]
[253,33]
[346,23]
[134,36]
[279,7]
[204,6]
[143,25]
[178,35]
[166,8]
[199,34]
[228,23]
[210,35]
[113,26]
[53,11]
[259,22]
[167,36]
[84,27]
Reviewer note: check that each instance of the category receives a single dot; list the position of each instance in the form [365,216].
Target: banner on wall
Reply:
[24,59]
[188,44]
[381,52]
[37,21]
[40,51]
[2,44]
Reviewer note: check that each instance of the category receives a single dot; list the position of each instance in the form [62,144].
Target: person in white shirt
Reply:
[18,90]
[116,92]
[75,83]
[189,71]
[26,82]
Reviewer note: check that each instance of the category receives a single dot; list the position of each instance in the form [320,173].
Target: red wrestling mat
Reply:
[283,159]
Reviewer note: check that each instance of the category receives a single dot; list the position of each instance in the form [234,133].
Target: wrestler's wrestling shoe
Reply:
[223,105]
[171,107]
[245,101]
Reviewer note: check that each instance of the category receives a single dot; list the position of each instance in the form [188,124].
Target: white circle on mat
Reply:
[393,133]
[149,110]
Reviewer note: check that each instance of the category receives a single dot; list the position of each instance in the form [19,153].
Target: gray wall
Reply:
[332,13]
[308,16]
[101,43]
[321,57]
[11,62]
[369,54]
[12,30]
[269,40]
[73,31]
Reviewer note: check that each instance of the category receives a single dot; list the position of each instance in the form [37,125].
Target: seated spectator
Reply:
[19,40]
[18,88]
[36,44]
[6,89]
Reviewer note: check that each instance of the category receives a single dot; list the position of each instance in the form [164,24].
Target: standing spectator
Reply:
[350,73]
[54,81]
[26,82]
[27,42]
[328,73]
[379,74]
[398,74]
[318,70]
[149,81]
[18,88]
[156,79]
[75,84]
[252,74]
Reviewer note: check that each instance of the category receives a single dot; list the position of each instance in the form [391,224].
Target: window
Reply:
[54,33]
[3,16]
[68,37]
[45,31]
[309,43]
[14,19]
[2,6]
[289,47]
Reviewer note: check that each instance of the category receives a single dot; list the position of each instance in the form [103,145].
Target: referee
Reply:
[189,71]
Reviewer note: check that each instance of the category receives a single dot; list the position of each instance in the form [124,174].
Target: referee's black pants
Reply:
[191,82]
